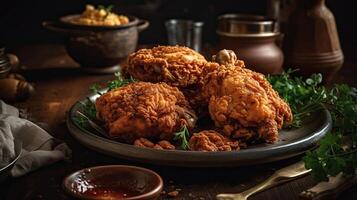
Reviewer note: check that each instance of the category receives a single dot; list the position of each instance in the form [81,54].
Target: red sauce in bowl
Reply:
[110,192]
[114,182]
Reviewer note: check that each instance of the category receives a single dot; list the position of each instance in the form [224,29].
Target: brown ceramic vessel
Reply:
[98,48]
[311,43]
[253,39]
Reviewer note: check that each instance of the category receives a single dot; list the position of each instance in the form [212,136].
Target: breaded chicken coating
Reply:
[243,103]
[163,144]
[149,110]
[209,140]
[175,65]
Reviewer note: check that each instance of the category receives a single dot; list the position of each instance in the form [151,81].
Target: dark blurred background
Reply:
[20,20]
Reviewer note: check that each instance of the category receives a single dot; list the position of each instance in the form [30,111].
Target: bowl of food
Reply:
[114,182]
[98,39]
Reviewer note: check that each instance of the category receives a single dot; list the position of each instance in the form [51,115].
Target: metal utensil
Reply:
[93,124]
[184,32]
[281,176]
[330,189]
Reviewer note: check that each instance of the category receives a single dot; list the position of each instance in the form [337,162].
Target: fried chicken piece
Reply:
[143,142]
[209,140]
[226,57]
[199,99]
[243,103]
[174,65]
[149,110]
[163,144]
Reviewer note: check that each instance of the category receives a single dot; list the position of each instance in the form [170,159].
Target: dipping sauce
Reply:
[105,186]
[110,193]
[113,182]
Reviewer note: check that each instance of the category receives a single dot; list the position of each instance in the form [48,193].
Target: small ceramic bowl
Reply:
[114,182]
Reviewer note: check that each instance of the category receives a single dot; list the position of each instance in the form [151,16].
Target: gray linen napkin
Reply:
[38,147]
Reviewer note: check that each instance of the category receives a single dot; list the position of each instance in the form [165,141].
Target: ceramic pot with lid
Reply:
[253,38]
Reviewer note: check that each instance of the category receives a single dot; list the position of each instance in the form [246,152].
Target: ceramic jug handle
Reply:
[143,24]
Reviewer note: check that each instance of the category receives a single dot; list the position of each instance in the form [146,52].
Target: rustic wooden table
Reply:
[62,83]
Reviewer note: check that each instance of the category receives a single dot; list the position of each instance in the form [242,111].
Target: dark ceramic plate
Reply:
[291,142]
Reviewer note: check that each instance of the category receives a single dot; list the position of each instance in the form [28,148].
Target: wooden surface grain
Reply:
[60,83]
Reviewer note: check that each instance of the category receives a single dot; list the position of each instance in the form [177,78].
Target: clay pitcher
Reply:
[253,38]
[311,43]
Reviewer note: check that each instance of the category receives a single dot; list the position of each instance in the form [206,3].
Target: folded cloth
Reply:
[38,147]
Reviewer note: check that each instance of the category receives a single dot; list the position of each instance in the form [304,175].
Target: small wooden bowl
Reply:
[114,182]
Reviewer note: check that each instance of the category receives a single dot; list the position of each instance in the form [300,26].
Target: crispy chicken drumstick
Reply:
[242,102]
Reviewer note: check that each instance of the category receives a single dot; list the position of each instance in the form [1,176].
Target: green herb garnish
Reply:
[95,88]
[108,8]
[88,107]
[182,137]
[303,96]
[337,151]
[119,81]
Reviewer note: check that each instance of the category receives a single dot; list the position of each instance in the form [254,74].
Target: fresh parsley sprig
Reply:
[88,107]
[303,96]
[95,88]
[182,137]
[119,81]
[337,151]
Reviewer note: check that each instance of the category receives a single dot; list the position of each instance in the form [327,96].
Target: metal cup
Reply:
[185,33]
